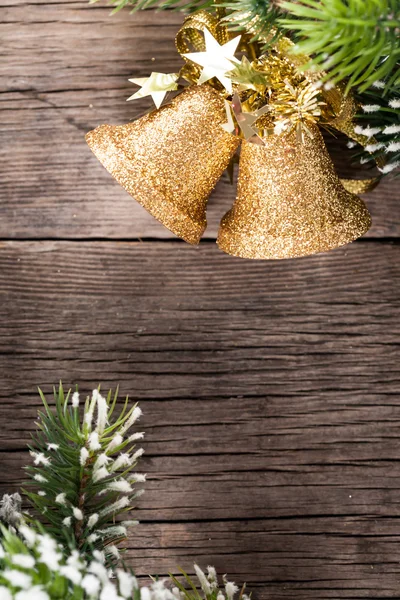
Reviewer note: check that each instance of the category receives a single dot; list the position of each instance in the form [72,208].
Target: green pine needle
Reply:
[257,16]
[356,40]
[136,5]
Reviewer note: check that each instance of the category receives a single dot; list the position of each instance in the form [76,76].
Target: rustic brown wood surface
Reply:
[270,390]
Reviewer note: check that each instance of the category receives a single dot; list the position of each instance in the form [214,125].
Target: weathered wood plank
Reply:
[270,393]
[64,70]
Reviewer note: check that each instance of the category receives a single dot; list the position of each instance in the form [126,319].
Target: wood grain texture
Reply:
[270,393]
[64,70]
[270,390]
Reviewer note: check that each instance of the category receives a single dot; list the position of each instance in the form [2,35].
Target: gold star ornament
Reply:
[217,60]
[245,120]
[156,86]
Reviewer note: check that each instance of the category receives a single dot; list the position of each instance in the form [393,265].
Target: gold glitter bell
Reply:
[290,201]
[171,159]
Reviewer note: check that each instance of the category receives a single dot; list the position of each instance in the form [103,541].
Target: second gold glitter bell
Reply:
[290,201]
[171,159]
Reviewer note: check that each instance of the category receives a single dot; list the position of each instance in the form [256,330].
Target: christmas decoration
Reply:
[172,182]
[82,462]
[271,96]
[290,201]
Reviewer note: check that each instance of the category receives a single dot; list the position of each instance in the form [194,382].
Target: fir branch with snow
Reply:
[210,588]
[82,477]
[380,117]
[34,566]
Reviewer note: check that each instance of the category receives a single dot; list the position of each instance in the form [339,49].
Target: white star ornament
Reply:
[216,60]
[156,86]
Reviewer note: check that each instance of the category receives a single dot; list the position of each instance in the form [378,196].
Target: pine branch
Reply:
[10,511]
[258,16]
[135,5]
[84,471]
[34,566]
[356,40]
[209,586]
[380,118]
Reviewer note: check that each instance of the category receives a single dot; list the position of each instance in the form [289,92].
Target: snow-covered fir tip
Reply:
[212,574]
[17,579]
[94,443]
[92,520]
[367,131]
[78,514]
[137,477]
[113,531]
[130,523]
[102,410]
[61,499]
[231,589]
[134,416]
[394,103]
[389,167]
[40,458]
[84,455]
[100,474]
[127,584]
[53,446]
[374,147]
[115,507]
[38,477]
[371,108]
[101,461]
[121,485]
[28,534]
[135,437]
[115,442]
[391,129]
[26,561]
[137,455]
[393,147]
[24,577]
[123,460]
[204,583]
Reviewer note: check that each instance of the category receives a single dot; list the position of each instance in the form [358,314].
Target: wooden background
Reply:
[270,390]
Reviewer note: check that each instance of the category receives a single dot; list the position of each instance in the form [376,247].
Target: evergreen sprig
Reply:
[356,40]
[257,16]
[54,561]
[135,5]
[209,586]
[34,567]
[83,471]
[380,120]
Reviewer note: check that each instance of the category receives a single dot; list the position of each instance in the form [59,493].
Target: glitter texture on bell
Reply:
[171,159]
[290,201]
